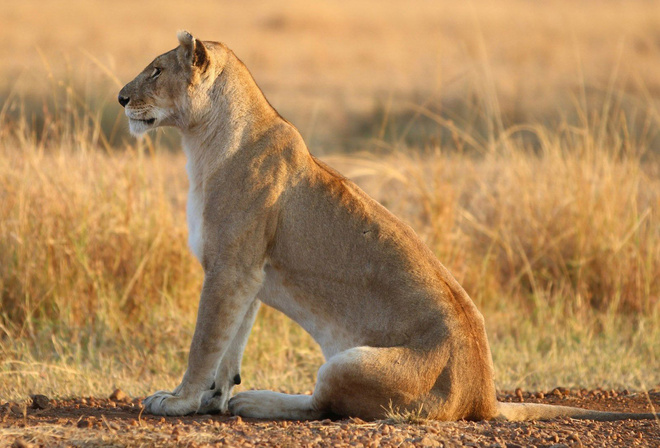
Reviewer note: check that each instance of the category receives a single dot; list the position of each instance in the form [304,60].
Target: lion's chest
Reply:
[194,215]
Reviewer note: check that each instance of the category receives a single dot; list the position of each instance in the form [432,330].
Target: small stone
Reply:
[574,437]
[118,395]
[427,441]
[561,391]
[40,402]
[237,420]
[16,409]
[519,394]
[375,441]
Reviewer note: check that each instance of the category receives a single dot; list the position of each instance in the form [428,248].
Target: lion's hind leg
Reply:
[360,382]
[367,382]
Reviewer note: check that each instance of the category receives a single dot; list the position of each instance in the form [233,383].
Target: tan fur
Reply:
[270,223]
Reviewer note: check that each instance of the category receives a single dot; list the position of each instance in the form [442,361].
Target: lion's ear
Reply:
[193,51]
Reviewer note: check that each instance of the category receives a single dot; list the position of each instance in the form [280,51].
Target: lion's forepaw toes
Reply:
[167,403]
[244,403]
[214,405]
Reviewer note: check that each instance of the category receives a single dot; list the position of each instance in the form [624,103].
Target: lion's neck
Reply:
[236,113]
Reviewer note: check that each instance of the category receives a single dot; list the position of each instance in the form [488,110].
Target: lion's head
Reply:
[172,88]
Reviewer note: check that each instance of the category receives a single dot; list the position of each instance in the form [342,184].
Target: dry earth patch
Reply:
[118,421]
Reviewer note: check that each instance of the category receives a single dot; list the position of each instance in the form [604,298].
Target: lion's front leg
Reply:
[223,307]
[228,374]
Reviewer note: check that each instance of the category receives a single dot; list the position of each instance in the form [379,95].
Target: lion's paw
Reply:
[167,403]
[249,403]
[215,401]
[273,405]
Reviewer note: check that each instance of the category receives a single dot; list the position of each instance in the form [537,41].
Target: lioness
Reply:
[270,223]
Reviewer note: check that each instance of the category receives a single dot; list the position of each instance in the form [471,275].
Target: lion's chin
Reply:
[139,127]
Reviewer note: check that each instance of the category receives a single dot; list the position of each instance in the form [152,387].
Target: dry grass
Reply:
[409,417]
[552,225]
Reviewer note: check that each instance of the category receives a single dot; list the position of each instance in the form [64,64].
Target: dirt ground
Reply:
[118,421]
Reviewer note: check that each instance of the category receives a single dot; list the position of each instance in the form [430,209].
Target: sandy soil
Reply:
[118,421]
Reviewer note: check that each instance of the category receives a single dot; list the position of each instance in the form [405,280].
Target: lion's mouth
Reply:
[139,126]
[148,121]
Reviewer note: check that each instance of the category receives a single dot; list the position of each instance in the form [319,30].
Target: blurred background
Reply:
[520,139]
[348,72]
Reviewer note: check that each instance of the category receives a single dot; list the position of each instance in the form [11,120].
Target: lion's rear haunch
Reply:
[270,223]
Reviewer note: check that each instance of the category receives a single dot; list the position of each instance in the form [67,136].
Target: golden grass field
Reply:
[521,140]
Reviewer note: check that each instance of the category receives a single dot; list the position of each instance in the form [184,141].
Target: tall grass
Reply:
[558,242]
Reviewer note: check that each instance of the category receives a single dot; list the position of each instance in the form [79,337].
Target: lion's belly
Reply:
[331,337]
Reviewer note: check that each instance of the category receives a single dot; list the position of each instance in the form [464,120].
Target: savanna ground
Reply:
[519,139]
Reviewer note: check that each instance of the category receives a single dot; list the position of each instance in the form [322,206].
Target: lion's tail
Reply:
[536,411]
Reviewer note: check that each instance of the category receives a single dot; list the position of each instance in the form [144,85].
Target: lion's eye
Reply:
[156,73]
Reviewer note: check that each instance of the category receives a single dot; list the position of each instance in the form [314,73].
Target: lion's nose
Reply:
[123,100]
